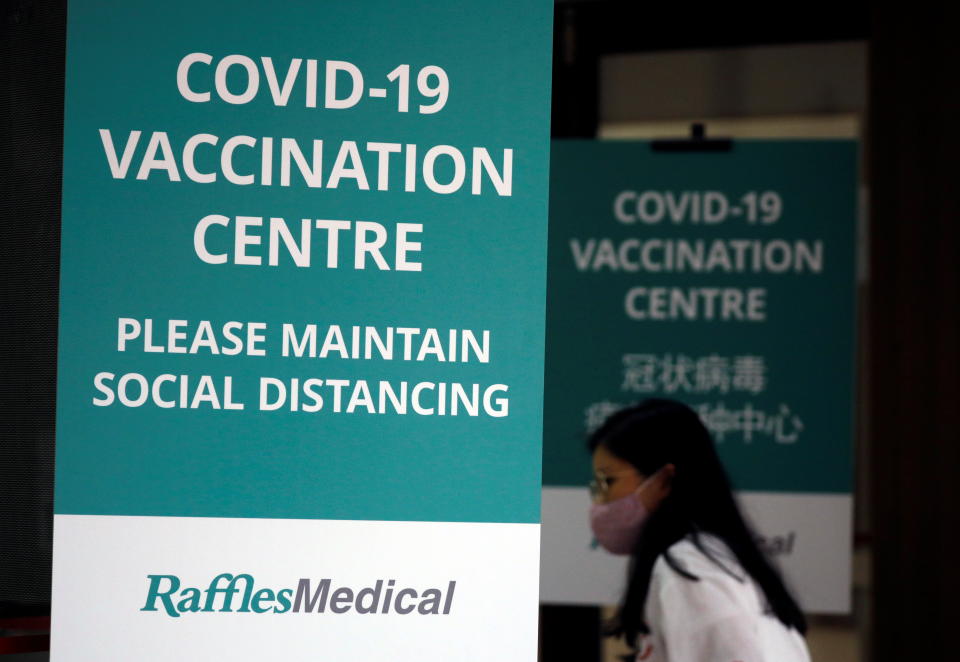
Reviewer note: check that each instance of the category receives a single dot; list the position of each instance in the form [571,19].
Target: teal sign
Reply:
[724,280]
[303,260]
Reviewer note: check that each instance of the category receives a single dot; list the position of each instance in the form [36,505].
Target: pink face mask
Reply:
[617,525]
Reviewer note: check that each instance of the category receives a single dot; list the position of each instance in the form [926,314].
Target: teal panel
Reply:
[776,386]
[128,251]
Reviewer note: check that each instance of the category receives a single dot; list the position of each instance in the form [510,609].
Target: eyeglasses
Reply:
[601,482]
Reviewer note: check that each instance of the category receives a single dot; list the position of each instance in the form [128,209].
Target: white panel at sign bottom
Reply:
[102,585]
[808,535]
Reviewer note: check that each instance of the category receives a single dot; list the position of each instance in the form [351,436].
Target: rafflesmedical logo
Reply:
[238,593]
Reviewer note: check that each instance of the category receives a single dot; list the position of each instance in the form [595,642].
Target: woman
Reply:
[699,588]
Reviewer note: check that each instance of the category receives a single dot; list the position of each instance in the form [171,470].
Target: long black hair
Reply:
[658,432]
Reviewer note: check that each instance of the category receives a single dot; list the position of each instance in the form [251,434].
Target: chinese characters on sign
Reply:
[782,426]
[649,373]
[678,373]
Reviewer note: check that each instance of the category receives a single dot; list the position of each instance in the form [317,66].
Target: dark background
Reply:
[911,367]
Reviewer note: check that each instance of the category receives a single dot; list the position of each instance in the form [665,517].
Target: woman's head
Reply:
[660,449]
[661,442]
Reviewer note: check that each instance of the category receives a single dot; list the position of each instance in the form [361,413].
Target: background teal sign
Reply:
[184,120]
[725,280]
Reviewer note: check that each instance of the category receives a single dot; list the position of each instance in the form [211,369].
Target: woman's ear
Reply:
[665,475]
[657,487]
[670,470]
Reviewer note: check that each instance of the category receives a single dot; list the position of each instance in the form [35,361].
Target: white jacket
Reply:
[718,619]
